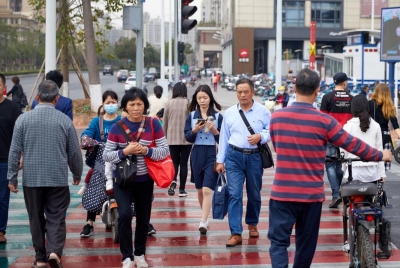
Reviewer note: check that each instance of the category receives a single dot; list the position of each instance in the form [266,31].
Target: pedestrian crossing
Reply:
[178,242]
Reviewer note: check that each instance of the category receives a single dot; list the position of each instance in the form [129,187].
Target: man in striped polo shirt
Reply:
[299,134]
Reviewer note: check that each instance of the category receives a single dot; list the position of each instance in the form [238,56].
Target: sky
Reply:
[153,7]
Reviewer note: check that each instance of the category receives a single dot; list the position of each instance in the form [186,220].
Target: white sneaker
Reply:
[127,263]
[203,227]
[140,262]
[82,190]
[109,185]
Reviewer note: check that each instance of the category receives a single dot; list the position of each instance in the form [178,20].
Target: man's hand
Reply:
[254,139]
[220,168]
[21,160]
[13,187]
[387,155]
[75,182]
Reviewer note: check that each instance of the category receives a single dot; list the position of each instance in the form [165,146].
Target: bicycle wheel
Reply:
[365,250]
[397,154]
[114,226]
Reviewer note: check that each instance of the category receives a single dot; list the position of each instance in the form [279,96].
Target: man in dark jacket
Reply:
[64,104]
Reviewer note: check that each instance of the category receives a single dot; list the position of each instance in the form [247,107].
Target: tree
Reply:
[167,50]
[126,49]
[151,56]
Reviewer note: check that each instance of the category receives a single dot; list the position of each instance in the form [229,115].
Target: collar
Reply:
[302,104]
[197,113]
[45,105]
[240,107]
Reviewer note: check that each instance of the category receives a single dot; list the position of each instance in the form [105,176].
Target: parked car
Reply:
[132,74]
[151,77]
[122,75]
[130,82]
[108,69]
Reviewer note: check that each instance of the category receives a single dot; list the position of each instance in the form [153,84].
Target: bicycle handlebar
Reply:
[342,160]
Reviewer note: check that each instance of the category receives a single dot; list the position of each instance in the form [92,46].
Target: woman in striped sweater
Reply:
[135,104]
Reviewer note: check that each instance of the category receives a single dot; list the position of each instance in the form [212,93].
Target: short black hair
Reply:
[307,81]
[15,80]
[132,94]
[245,81]
[3,78]
[158,90]
[56,77]
[110,93]
[179,90]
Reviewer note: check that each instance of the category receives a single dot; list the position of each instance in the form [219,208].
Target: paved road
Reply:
[177,242]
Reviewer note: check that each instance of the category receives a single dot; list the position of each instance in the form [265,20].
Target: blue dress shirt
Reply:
[234,130]
[64,105]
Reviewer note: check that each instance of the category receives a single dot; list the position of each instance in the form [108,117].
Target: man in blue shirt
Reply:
[238,151]
[64,104]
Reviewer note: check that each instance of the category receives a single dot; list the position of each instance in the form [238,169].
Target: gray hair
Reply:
[48,91]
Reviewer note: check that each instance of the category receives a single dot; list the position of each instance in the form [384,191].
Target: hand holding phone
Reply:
[201,122]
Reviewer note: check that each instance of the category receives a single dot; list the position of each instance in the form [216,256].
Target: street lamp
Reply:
[297,65]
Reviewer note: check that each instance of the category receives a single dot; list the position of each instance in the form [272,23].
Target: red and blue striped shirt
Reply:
[299,135]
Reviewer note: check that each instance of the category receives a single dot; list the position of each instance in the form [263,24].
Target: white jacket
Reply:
[365,171]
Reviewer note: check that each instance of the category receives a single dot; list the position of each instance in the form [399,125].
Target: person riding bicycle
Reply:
[366,129]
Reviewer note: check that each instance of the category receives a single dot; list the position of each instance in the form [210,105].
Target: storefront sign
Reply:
[244,53]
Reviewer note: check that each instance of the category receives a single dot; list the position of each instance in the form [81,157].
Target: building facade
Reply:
[251,25]
[211,11]
[152,30]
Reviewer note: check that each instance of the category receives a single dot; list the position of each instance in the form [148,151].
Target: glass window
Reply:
[326,14]
[292,14]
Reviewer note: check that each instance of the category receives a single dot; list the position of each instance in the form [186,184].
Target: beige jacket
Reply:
[175,114]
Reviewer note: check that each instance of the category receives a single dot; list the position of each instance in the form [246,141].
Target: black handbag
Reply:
[332,151]
[125,172]
[265,151]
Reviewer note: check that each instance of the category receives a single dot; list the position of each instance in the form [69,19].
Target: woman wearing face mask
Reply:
[109,116]
[282,97]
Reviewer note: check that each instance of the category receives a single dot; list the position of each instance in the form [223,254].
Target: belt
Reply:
[244,151]
[386,132]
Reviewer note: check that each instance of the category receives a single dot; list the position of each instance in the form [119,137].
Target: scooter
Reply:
[231,86]
[109,216]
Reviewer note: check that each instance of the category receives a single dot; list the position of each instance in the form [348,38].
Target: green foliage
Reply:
[126,49]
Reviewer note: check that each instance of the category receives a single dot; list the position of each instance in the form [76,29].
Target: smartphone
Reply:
[201,121]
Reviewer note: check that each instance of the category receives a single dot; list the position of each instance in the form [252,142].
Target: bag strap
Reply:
[101,127]
[153,143]
[250,129]
[141,129]
[374,109]
[221,179]
[122,130]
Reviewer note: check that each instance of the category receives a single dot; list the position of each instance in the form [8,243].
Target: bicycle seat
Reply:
[357,187]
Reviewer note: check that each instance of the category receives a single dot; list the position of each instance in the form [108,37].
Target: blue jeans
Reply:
[335,176]
[238,167]
[4,197]
[282,217]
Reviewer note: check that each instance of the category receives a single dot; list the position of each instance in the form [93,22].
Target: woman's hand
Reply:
[133,148]
[198,127]
[212,128]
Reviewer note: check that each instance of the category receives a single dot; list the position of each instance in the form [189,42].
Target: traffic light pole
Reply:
[176,40]
[139,49]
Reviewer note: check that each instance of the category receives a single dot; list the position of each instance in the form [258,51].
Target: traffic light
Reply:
[186,12]
[181,52]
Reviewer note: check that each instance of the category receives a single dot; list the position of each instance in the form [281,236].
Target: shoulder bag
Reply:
[91,145]
[162,171]
[266,155]
[125,172]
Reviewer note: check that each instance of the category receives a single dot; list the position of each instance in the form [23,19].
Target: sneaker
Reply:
[127,263]
[151,230]
[87,230]
[335,202]
[82,190]
[203,227]
[182,193]
[140,262]
[171,189]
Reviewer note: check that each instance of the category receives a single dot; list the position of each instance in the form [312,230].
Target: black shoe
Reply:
[87,230]
[182,193]
[171,189]
[151,230]
[335,202]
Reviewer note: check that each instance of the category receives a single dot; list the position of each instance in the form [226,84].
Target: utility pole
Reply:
[278,64]
[162,81]
[139,48]
[176,40]
[51,22]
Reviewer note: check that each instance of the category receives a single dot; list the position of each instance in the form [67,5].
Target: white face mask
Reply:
[280,91]
[110,108]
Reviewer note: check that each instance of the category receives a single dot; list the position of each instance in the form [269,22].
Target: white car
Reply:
[130,82]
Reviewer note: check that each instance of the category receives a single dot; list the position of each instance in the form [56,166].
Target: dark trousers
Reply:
[54,202]
[4,197]
[91,216]
[282,217]
[142,192]
[180,157]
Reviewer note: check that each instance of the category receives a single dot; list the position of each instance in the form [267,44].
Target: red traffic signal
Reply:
[186,12]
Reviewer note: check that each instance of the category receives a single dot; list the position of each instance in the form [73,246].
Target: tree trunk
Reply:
[94,77]
[64,90]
